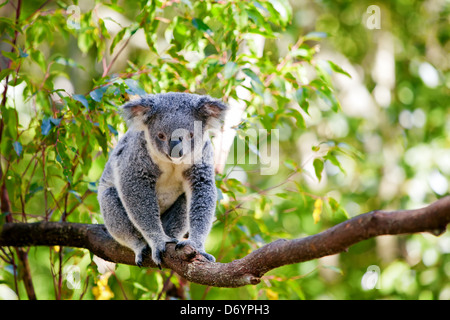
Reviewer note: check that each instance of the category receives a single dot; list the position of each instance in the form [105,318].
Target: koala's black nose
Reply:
[176,148]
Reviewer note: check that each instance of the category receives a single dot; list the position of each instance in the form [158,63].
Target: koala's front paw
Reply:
[198,248]
[158,247]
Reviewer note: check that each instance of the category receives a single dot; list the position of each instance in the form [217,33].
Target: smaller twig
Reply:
[86,285]
[7,258]
[164,288]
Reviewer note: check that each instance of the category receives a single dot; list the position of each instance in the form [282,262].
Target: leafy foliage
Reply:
[65,73]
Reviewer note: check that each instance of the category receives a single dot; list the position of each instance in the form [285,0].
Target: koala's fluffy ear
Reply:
[138,112]
[212,111]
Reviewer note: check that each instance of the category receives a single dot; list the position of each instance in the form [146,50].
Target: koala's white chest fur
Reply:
[170,185]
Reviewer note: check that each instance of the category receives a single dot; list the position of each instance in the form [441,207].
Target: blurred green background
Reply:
[359,92]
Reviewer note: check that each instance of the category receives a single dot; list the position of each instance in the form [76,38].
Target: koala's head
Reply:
[175,123]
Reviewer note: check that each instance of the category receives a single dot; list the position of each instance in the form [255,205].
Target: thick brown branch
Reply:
[248,270]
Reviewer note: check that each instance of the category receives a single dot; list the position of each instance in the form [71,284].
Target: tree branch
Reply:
[248,270]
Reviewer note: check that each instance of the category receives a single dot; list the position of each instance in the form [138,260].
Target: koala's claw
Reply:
[158,250]
[208,256]
[180,245]
[139,259]
[188,242]
[157,256]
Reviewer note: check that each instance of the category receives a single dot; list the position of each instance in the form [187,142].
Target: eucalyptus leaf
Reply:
[97,94]
[81,98]
[46,126]
[17,147]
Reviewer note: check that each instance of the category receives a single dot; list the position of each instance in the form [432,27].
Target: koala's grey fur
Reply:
[159,181]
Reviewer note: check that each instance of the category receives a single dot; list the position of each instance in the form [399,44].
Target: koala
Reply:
[159,182]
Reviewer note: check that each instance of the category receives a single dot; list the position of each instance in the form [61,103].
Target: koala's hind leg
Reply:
[120,226]
[175,220]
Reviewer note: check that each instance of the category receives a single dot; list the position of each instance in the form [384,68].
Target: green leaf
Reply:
[68,62]
[81,98]
[46,126]
[318,168]
[333,204]
[103,29]
[258,19]
[338,69]
[92,186]
[301,52]
[180,31]
[316,36]
[48,123]
[201,26]
[76,195]
[333,159]
[252,75]
[34,188]
[112,130]
[300,121]
[295,286]
[230,69]
[4,73]
[16,81]
[85,41]
[97,94]
[236,185]
[10,25]
[117,39]
[209,50]
[55,122]
[64,160]
[325,93]
[315,148]
[334,268]
[140,286]
[23,54]
[17,147]
[290,164]
[39,58]
[134,88]
[10,116]
[280,11]
[151,36]
[10,55]
[101,139]
[241,16]
[301,95]
[282,195]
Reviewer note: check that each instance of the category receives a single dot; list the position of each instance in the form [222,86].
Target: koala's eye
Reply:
[161,136]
